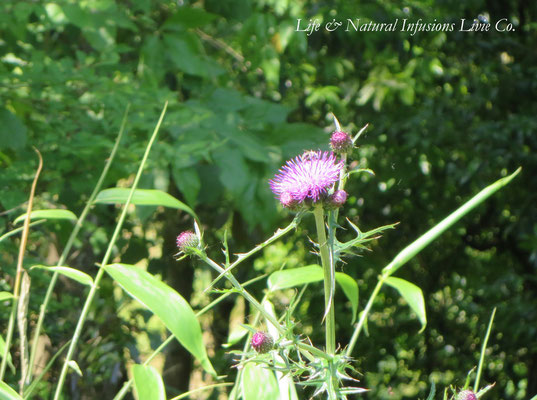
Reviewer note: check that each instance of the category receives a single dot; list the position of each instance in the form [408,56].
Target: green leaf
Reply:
[413,296]
[350,288]
[7,393]
[189,17]
[259,383]
[167,304]
[188,182]
[74,274]
[20,229]
[314,273]
[142,197]
[47,214]
[5,296]
[2,350]
[288,278]
[148,383]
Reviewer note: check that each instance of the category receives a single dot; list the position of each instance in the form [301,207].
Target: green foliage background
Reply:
[448,113]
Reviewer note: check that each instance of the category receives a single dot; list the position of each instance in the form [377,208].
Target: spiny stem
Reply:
[241,257]
[104,262]
[243,292]
[318,212]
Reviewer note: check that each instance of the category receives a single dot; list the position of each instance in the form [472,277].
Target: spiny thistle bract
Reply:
[307,177]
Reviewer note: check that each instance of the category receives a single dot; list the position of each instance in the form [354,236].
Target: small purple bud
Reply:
[336,200]
[262,342]
[466,395]
[340,142]
[187,239]
[339,198]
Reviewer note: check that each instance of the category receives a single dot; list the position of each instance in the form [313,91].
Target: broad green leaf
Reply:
[148,383]
[74,274]
[350,288]
[167,304]
[188,182]
[142,197]
[47,214]
[314,273]
[413,296]
[288,278]
[5,296]
[7,393]
[259,383]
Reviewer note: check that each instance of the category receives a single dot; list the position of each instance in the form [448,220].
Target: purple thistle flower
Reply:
[187,239]
[340,142]
[466,395]
[306,177]
[262,342]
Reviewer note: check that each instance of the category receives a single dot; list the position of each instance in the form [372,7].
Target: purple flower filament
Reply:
[308,176]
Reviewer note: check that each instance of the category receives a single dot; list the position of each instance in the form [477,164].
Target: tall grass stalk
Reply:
[70,241]
[95,285]
[18,274]
[423,241]
[483,349]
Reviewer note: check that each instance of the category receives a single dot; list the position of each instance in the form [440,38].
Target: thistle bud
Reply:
[262,342]
[336,200]
[466,395]
[340,142]
[186,240]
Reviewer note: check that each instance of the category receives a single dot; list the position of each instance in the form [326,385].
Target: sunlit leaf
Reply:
[259,383]
[7,393]
[413,296]
[5,296]
[2,350]
[74,366]
[75,274]
[167,304]
[314,273]
[148,383]
[350,288]
[47,214]
[142,197]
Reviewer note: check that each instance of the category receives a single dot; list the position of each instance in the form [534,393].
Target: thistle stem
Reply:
[329,274]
